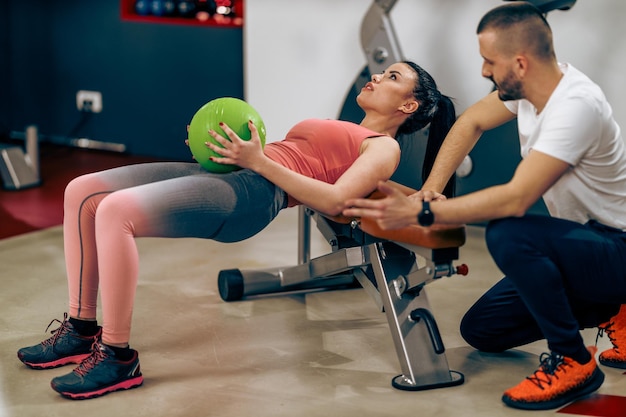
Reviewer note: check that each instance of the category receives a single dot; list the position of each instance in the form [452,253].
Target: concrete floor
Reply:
[319,353]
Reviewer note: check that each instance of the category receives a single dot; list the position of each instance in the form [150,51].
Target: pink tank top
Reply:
[320,149]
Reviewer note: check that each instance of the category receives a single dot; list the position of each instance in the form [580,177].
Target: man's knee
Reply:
[471,331]
[468,332]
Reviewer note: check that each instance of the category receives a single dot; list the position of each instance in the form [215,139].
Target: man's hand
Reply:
[394,211]
[427,195]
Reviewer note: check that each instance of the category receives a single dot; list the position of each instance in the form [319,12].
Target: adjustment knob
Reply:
[462,269]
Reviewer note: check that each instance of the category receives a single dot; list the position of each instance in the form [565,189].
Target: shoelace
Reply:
[98,354]
[549,365]
[608,329]
[58,332]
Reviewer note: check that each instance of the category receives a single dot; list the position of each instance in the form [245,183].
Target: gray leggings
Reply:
[178,199]
[107,210]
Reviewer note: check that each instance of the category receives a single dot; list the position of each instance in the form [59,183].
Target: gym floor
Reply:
[316,353]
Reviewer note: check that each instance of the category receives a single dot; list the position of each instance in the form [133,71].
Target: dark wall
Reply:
[152,76]
[4,68]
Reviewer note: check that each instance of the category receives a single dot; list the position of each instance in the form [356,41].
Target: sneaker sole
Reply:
[124,385]
[594,382]
[55,364]
[612,364]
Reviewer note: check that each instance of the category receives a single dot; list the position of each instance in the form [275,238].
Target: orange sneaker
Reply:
[615,329]
[558,381]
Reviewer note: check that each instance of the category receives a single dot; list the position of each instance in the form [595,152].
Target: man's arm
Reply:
[486,114]
[533,177]
[535,174]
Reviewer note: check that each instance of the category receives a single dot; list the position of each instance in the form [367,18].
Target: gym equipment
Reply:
[186,8]
[235,113]
[392,266]
[548,5]
[163,7]
[18,169]
[143,7]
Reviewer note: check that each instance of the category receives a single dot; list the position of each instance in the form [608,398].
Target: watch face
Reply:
[425,217]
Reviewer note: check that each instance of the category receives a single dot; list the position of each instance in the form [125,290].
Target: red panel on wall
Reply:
[227,13]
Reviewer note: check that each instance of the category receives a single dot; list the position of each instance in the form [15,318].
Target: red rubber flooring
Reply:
[40,207]
[598,405]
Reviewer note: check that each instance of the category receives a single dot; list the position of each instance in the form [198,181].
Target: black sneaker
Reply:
[65,346]
[99,374]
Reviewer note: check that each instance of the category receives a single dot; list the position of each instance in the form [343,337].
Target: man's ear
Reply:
[521,65]
[410,106]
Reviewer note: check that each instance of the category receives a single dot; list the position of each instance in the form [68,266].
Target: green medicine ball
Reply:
[232,111]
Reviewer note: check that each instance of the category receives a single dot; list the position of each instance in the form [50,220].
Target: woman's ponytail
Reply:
[435,110]
[443,119]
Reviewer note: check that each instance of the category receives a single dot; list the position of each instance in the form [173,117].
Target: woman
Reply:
[321,164]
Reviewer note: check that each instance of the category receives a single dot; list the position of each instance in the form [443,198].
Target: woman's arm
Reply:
[378,160]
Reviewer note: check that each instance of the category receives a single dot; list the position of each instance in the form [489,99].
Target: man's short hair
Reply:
[521,28]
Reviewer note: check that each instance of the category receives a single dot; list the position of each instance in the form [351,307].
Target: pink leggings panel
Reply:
[105,240]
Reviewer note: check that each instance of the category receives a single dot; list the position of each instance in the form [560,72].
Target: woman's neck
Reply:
[382,125]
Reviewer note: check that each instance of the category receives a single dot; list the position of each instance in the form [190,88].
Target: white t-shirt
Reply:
[577,126]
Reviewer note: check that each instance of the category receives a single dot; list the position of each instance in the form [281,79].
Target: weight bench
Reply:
[392,266]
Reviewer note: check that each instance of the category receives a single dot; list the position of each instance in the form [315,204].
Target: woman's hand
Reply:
[236,151]
[394,211]
[187,142]
[187,139]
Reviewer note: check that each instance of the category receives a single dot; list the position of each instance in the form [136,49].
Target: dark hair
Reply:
[526,27]
[435,109]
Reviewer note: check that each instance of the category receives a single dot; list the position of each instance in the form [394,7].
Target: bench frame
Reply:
[393,272]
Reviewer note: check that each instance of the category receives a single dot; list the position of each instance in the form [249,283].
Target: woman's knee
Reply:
[115,210]
[79,190]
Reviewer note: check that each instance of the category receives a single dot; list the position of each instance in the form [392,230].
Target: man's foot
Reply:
[65,346]
[615,329]
[558,381]
[99,374]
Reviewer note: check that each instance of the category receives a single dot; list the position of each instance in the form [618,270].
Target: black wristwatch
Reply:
[425,217]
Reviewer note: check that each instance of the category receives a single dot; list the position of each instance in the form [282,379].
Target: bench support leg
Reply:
[414,330]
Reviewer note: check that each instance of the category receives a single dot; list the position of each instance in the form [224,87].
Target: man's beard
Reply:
[509,89]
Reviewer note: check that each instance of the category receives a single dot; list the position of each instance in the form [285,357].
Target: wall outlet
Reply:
[89,101]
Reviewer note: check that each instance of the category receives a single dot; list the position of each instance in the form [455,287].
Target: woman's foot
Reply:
[101,373]
[65,346]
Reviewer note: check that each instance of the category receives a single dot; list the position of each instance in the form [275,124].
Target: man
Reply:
[563,272]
